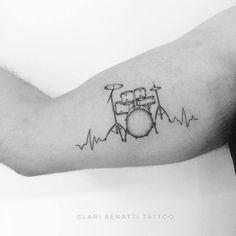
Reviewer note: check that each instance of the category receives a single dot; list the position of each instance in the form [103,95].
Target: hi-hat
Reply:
[155,88]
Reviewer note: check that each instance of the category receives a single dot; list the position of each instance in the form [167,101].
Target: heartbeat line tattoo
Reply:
[91,141]
[184,119]
[135,108]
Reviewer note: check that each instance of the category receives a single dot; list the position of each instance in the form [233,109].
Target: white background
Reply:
[57,45]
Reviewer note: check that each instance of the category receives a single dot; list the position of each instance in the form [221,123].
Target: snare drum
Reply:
[147,101]
[121,108]
[127,97]
[140,94]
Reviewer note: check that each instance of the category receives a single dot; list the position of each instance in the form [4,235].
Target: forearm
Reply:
[20,103]
[194,111]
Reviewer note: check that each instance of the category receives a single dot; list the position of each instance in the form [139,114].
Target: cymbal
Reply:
[155,88]
[113,86]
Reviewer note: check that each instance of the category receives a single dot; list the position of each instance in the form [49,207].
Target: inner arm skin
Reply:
[196,72]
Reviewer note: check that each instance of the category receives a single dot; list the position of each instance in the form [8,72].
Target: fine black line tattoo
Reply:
[91,140]
[184,119]
[139,120]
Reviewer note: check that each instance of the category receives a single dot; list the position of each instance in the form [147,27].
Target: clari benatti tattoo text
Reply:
[135,109]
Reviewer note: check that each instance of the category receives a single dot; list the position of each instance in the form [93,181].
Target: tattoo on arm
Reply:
[138,112]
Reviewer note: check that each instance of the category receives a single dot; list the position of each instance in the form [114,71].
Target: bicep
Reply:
[130,115]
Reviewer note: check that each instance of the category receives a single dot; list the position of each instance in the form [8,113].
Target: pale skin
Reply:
[39,134]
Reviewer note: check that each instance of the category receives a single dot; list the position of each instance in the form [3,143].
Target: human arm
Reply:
[197,75]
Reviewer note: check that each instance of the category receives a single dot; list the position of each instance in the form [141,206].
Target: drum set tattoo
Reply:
[135,105]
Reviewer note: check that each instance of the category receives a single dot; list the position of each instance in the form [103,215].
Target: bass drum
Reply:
[139,122]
